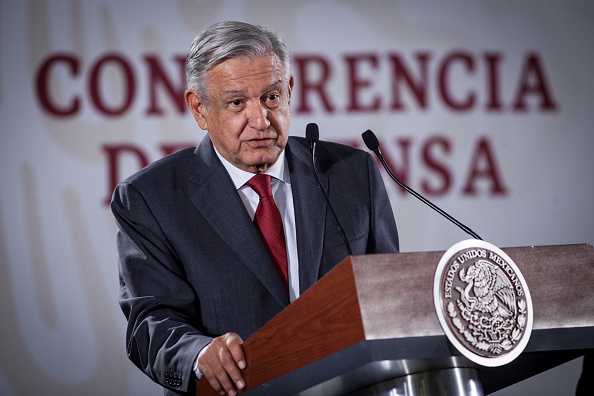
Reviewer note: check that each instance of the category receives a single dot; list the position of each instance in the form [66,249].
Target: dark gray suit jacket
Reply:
[193,266]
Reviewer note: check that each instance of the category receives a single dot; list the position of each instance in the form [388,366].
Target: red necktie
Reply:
[270,226]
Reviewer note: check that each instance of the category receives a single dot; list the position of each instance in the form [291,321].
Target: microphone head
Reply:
[370,140]
[312,132]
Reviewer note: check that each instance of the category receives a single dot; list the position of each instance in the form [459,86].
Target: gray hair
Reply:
[227,40]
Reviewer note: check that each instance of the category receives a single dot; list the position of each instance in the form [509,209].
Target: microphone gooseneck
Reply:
[373,144]
[312,134]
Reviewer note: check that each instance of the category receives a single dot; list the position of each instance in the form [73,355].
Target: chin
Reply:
[263,161]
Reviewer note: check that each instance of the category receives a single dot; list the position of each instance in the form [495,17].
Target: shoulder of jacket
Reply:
[169,163]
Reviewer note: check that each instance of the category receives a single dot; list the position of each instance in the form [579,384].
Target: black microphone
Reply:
[312,134]
[373,144]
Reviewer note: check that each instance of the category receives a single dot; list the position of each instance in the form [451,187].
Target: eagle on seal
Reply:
[493,291]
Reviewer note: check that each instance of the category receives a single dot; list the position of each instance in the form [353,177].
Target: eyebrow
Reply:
[232,92]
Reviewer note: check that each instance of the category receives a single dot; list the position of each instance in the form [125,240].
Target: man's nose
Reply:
[258,116]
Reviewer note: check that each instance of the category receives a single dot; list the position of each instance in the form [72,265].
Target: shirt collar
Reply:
[278,171]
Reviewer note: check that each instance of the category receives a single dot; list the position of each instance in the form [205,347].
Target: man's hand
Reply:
[221,364]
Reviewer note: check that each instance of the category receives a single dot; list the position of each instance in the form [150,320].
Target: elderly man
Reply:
[214,241]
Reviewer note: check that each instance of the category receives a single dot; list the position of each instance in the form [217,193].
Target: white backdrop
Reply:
[484,107]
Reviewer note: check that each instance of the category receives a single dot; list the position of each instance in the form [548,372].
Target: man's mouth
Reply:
[260,142]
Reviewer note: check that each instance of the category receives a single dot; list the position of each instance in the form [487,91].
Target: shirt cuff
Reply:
[197,372]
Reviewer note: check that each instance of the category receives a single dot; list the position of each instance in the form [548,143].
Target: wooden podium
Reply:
[370,326]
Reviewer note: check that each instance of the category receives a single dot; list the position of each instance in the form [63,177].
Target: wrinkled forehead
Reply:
[235,74]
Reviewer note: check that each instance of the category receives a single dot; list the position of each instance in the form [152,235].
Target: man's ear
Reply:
[291,84]
[197,108]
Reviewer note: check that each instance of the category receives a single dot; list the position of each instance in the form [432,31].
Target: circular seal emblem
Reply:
[483,303]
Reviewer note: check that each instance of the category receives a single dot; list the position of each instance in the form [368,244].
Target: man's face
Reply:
[248,110]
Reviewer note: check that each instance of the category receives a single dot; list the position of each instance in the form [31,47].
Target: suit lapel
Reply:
[310,212]
[229,218]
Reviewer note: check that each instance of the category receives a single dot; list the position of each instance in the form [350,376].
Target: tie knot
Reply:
[261,185]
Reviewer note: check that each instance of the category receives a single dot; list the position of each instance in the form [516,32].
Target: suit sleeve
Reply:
[383,236]
[161,307]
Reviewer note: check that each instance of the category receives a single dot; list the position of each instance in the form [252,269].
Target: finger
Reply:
[212,369]
[222,377]
[234,344]
[215,384]
[209,366]
[219,379]
[219,365]
[231,368]
[212,379]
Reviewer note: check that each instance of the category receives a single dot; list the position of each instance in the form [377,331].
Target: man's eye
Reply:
[272,100]
[235,102]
